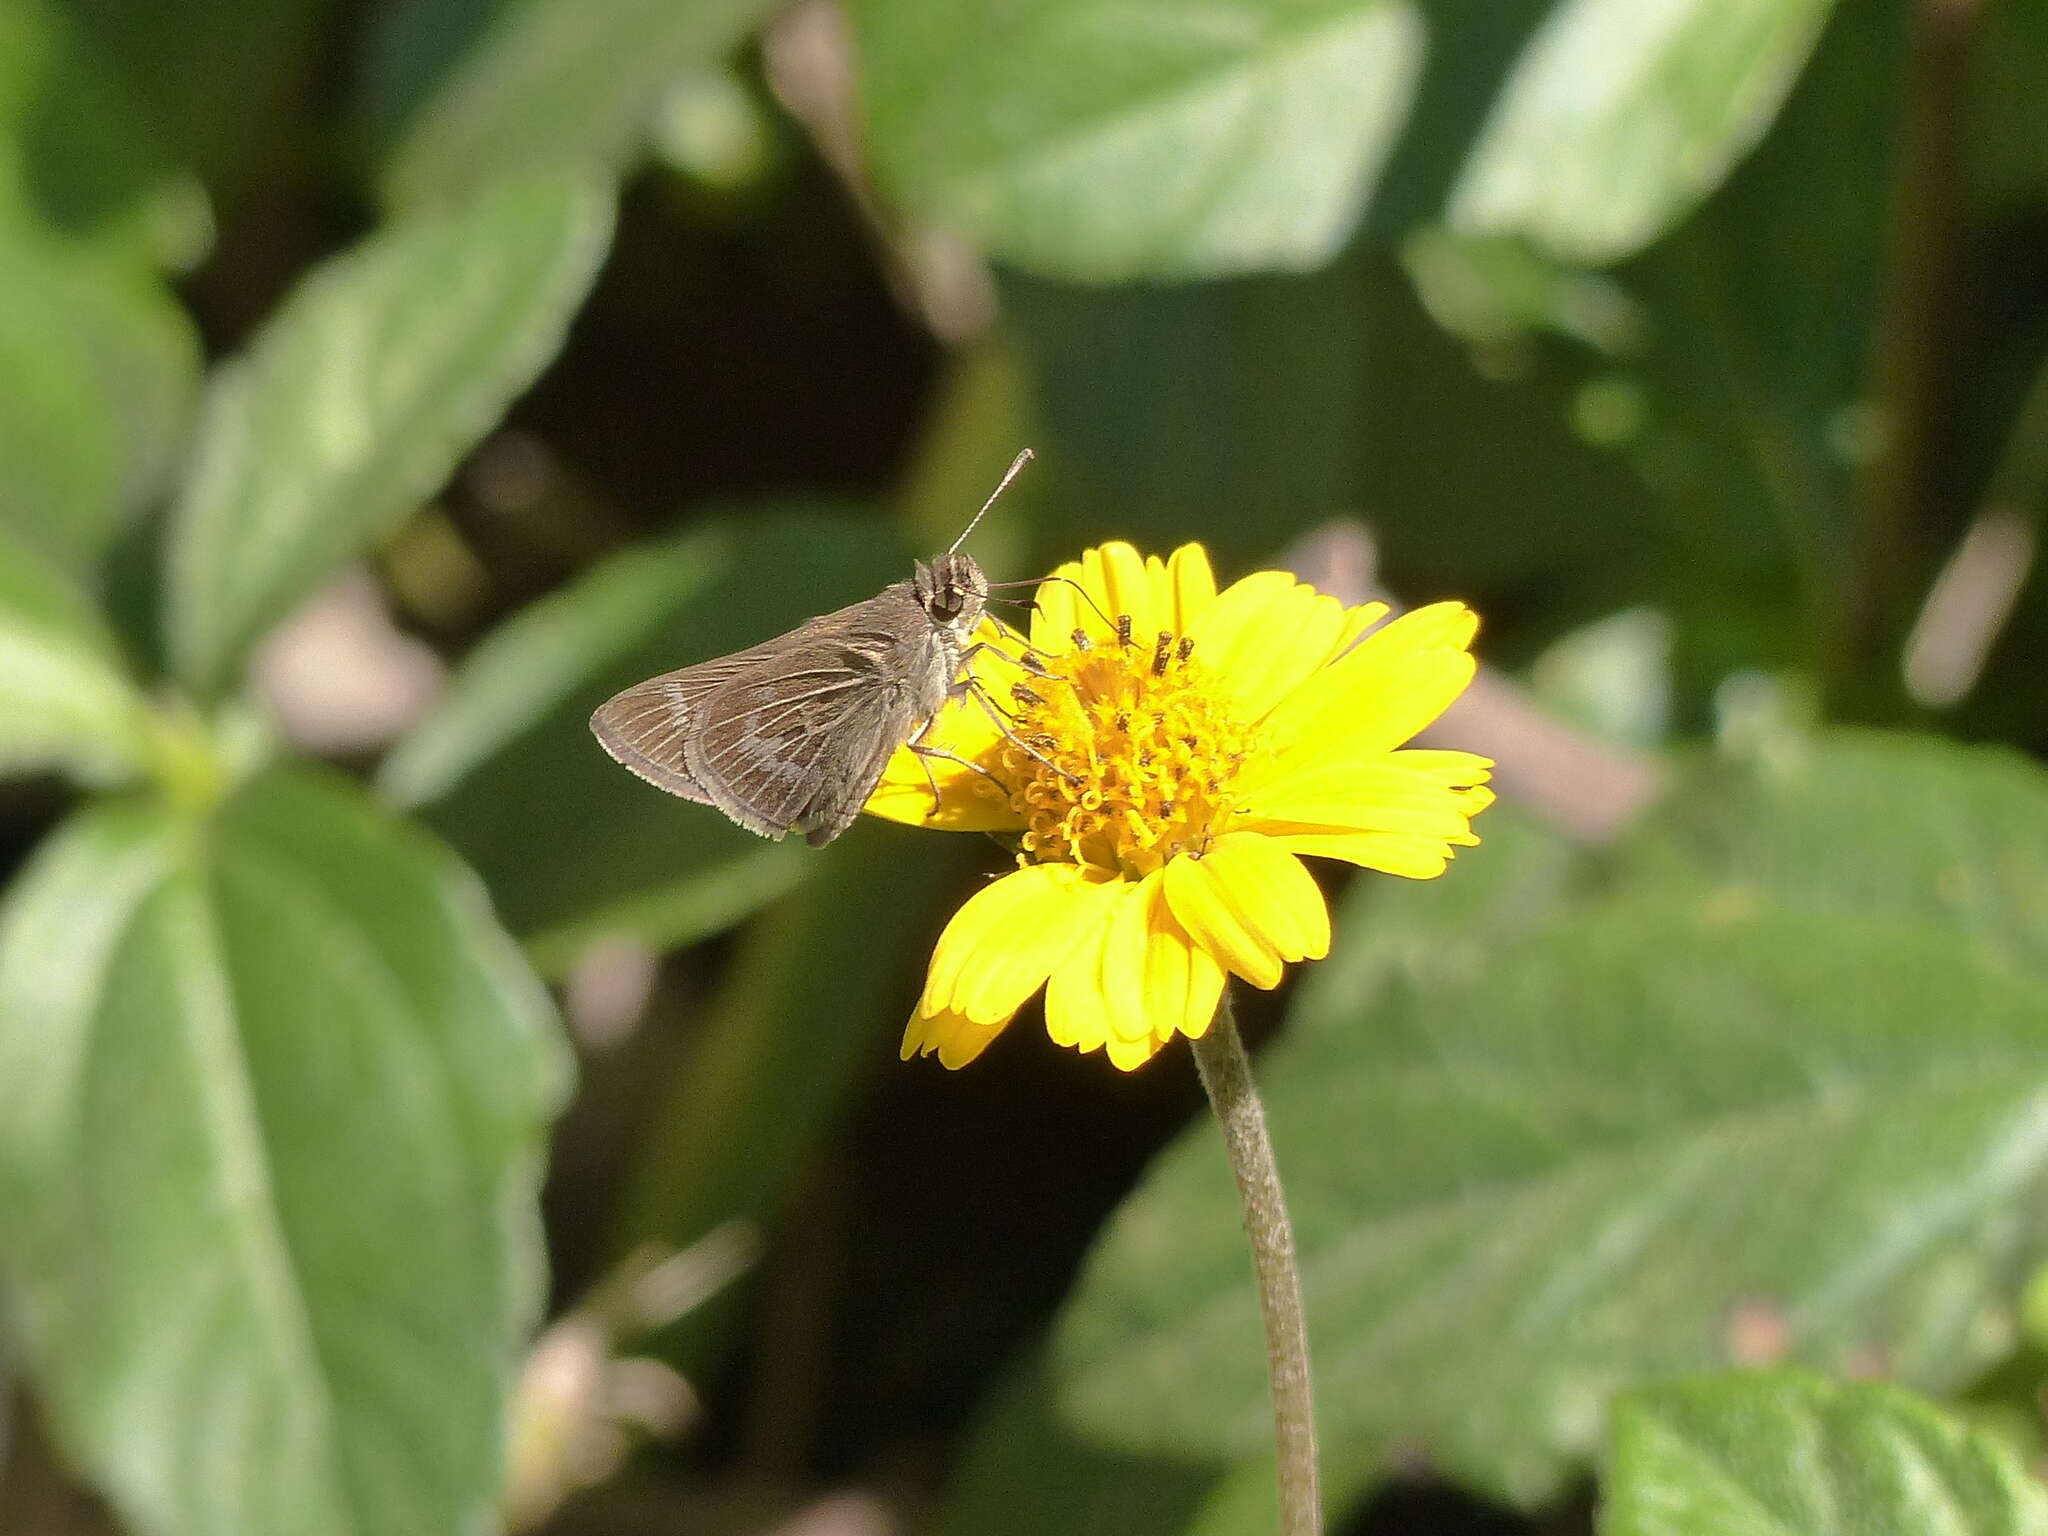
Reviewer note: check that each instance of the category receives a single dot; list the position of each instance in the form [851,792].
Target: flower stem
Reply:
[1227,1076]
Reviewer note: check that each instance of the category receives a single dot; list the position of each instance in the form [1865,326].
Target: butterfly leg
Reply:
[1026,660]
[979,693]
[925,754]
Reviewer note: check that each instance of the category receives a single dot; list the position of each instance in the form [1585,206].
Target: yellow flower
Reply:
[1170,752]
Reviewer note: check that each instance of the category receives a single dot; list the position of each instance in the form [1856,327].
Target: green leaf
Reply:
[102,368]
[76,154]
[2008,152]
[1025,1473]
[512,735]
[1791,1084]
[357,400]
[272,1094]
[1786,1454]
[1143,140]
[218,77]
[819,990]
[65,699]
[1221,411]
[540,82]
[1620,117]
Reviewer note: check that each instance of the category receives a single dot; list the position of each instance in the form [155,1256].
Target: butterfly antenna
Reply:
[1008,475]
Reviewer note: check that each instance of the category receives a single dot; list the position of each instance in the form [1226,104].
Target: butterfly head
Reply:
[952,591]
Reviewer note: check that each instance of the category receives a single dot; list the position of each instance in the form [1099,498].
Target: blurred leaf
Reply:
[1870,826]
[1630,1136]
[2008,151]
[815,1002]
[215,75]
[1787,1454]
[102,367]
[1240,413]
[77,156]
[356,401]
[64,698]
[1620,117]
[1142,140]
[1025,1473]
[1219,411]
[1750,426]
[268,1145]
[572,845]
[537,82]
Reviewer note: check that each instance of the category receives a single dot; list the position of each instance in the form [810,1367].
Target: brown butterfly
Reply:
[792,735]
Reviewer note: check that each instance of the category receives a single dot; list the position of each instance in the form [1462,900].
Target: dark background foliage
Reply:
[384,382]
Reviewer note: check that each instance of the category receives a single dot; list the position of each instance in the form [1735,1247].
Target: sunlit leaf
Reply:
[381,370]
[1144,140]
[1620,116]
[1786,1454]
[272,1092]
[1783,1093]
[536,82]
[102,369]
[65,699]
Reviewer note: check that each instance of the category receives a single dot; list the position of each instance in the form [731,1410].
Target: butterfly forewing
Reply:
[644,727]
[791,735]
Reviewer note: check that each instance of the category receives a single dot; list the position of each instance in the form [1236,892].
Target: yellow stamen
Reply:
[1141,753]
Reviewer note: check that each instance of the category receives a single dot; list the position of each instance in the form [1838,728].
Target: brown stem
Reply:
[1227,1076]
[1888,547]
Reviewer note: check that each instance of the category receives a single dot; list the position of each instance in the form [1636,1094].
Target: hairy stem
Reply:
[1227,1076]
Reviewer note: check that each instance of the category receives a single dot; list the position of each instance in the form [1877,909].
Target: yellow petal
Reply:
[1264,636]
[1386,688]
[1056,609]
[1250,903]
[1076,1012]
[1143,979]
[1119,581]
[1183,982]
[956,1038]
[1190,588]
[1383,796]
[1122,974]
[1129,1055]
[1004,941]
[1393,853]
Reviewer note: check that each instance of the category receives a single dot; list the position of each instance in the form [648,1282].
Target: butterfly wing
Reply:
[644,726]
[788,745]
[791,735]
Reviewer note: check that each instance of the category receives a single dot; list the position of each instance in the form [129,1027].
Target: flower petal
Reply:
[1057,608]
[1076,1012]
[1250,903]
[1392,853]
[957,1038]
[1004,941]
[1183,982]
[1118,577]
[1384,689]
[1125,939]
[1266,635]
[1387,795]
[1190,588]
[1129,1055]
[1139,982]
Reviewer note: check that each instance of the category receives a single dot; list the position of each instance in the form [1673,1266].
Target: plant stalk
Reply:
[1227,1077]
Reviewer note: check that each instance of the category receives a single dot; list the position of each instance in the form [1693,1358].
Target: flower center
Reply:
[1123,754]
